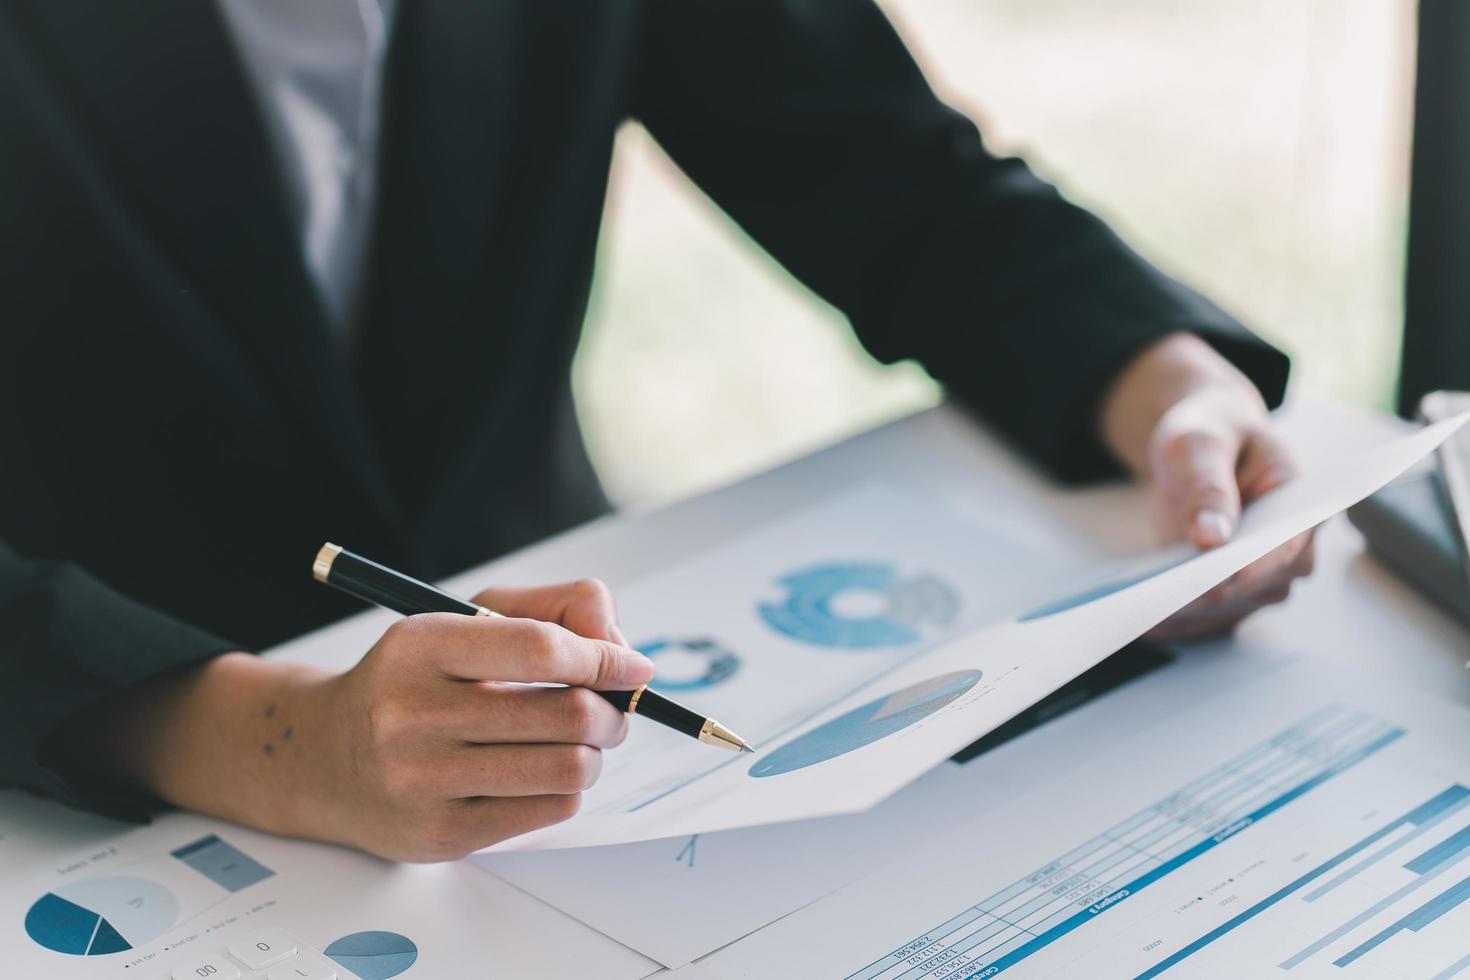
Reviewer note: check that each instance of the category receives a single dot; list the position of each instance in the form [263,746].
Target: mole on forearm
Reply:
[269,748]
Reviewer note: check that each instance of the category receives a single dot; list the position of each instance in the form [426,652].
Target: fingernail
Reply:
[635,668]
[1214,526]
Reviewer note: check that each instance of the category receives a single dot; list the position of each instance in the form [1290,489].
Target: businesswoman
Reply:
[277,272]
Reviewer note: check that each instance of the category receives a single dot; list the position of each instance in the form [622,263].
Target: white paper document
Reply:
[699,893]
[761,873]
[860,644]
[763,632]
[190,896]
[1292,826]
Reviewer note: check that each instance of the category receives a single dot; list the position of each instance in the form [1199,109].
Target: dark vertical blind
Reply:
[1437,282]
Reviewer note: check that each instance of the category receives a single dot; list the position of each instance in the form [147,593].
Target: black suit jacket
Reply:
[179,429]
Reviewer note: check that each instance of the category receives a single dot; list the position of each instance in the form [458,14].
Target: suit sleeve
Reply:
[67,641]
[812,126]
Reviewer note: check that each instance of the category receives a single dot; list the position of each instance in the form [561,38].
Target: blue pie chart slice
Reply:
[863,726]
[374,955]
[97,916]
[1097,592]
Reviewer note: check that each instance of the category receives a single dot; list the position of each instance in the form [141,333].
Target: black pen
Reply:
[382,586]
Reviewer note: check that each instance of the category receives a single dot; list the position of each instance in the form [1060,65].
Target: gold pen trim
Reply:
[710,733]
[713,733]
[322,566]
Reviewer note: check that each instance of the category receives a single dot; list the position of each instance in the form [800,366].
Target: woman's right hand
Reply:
[430,748]
[440,748]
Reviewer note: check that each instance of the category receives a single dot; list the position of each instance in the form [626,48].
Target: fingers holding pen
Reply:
[525,650]
[585,606]
[449,750]
[494,713]
[453,734]
[472,690]
[520,771]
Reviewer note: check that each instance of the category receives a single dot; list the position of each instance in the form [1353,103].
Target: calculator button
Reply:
[213,968]
[262,949]
[302,968]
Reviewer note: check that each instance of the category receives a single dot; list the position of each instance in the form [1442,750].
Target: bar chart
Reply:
[1406,861]
[1080,886]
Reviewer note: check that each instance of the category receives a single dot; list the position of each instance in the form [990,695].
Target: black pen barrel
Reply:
[384,587]
[656,707]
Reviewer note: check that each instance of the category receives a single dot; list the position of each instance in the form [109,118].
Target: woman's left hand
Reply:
[1198,434]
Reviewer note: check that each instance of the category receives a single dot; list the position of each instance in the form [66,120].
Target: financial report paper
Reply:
[718,653]
[1198,825]
[859,644]
[86,898]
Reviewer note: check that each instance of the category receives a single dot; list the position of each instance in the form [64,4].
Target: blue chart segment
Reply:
[94,916]
[1019,920]
[690,665]
[861,726]
[860,606]
[222,864]
[1424,865]
[1098,591]
[1415,921]
[101,915]
[374,955]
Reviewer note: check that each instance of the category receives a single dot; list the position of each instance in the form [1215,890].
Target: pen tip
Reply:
[747,748]
[713,733]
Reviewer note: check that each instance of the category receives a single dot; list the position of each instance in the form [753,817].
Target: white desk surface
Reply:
[1351,612]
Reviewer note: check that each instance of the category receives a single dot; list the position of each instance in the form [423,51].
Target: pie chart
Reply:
[97,916]
[374,955]
[860,606]
[690,664]
[862,726]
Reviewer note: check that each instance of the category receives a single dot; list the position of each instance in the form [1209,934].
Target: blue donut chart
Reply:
[909,606]
[865,725]
[719,663]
